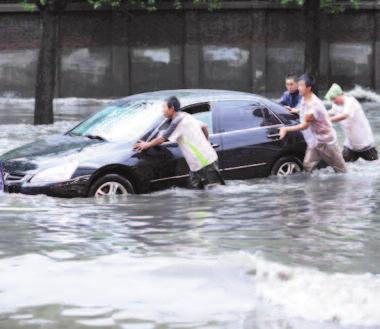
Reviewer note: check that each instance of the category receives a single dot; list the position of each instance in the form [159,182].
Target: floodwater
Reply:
[290,253]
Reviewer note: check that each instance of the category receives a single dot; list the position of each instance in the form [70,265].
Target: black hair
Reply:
[173,102]
[292,76]
[309,80]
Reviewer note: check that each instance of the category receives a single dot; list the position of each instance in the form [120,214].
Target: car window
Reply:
[202,113]
[244,115]
[206,118]
[268,118]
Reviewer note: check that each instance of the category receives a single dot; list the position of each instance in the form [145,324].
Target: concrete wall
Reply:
[111,54]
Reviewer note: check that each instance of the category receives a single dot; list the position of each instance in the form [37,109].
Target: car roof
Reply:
[193,96]
[190,96]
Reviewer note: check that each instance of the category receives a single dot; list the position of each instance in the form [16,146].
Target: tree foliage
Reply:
[329,6]
[150,5]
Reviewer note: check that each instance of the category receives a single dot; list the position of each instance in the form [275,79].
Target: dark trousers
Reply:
[369,154]
[208,175]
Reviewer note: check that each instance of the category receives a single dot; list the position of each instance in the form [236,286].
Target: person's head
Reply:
[335,94]
[291,83]
[171,106]
[306,84]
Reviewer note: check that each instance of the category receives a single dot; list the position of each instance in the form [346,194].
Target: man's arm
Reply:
[339,117]
[205,131]
[168,134]
[302,126]
[141,145]
[292,110]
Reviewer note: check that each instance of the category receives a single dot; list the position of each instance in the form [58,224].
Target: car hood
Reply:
[58,149]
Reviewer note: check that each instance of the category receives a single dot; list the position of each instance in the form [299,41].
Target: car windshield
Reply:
[128,122]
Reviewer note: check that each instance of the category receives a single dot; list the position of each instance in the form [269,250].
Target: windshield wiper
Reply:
[95,137]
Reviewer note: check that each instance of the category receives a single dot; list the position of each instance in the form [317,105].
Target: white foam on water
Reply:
[229,288]
[160,289]
[21,316]
[364,94]
[60,254]
[37,322]
[103,322]
[86,311]
[349,299]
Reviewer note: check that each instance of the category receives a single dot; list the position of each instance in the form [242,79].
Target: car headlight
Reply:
[55,174]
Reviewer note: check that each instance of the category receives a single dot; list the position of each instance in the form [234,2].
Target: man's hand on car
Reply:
[292,110]
[141,146]
[282,132]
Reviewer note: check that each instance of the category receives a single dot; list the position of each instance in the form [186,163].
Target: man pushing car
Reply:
[192,138]
[319,134]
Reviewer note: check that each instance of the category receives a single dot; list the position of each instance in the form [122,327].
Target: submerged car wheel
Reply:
[286,166]
[111,185]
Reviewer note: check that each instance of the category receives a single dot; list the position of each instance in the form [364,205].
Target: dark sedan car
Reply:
[97,158]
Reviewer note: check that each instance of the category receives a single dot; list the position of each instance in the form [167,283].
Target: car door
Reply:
[249,138]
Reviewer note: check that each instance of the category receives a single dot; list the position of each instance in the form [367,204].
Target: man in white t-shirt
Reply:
[359,142]
[319,134]
[192,138]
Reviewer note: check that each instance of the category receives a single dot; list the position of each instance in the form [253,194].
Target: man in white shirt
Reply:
[319,134]
[192,138]
[359,142]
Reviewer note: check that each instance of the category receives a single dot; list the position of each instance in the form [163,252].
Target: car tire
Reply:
[111,185]
[286,166]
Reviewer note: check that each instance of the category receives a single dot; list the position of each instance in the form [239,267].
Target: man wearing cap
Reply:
[359,142]
[192,138]
[317,129]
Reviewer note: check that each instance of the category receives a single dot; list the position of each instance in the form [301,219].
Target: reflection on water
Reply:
[300,252]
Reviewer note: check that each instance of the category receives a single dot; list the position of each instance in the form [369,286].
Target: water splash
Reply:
[364,94]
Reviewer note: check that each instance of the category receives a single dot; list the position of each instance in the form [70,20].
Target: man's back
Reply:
[193,143]
[357,128]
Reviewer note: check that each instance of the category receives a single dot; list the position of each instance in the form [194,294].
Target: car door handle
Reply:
[274,135]
[215,146]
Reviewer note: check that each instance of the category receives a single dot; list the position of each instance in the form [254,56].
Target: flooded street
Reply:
[282,253]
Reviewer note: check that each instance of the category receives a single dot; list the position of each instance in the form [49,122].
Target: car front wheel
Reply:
[286,166]
[111,185]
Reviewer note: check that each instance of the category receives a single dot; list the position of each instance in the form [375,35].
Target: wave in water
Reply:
[347,299]
[364,94]
[237,289]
